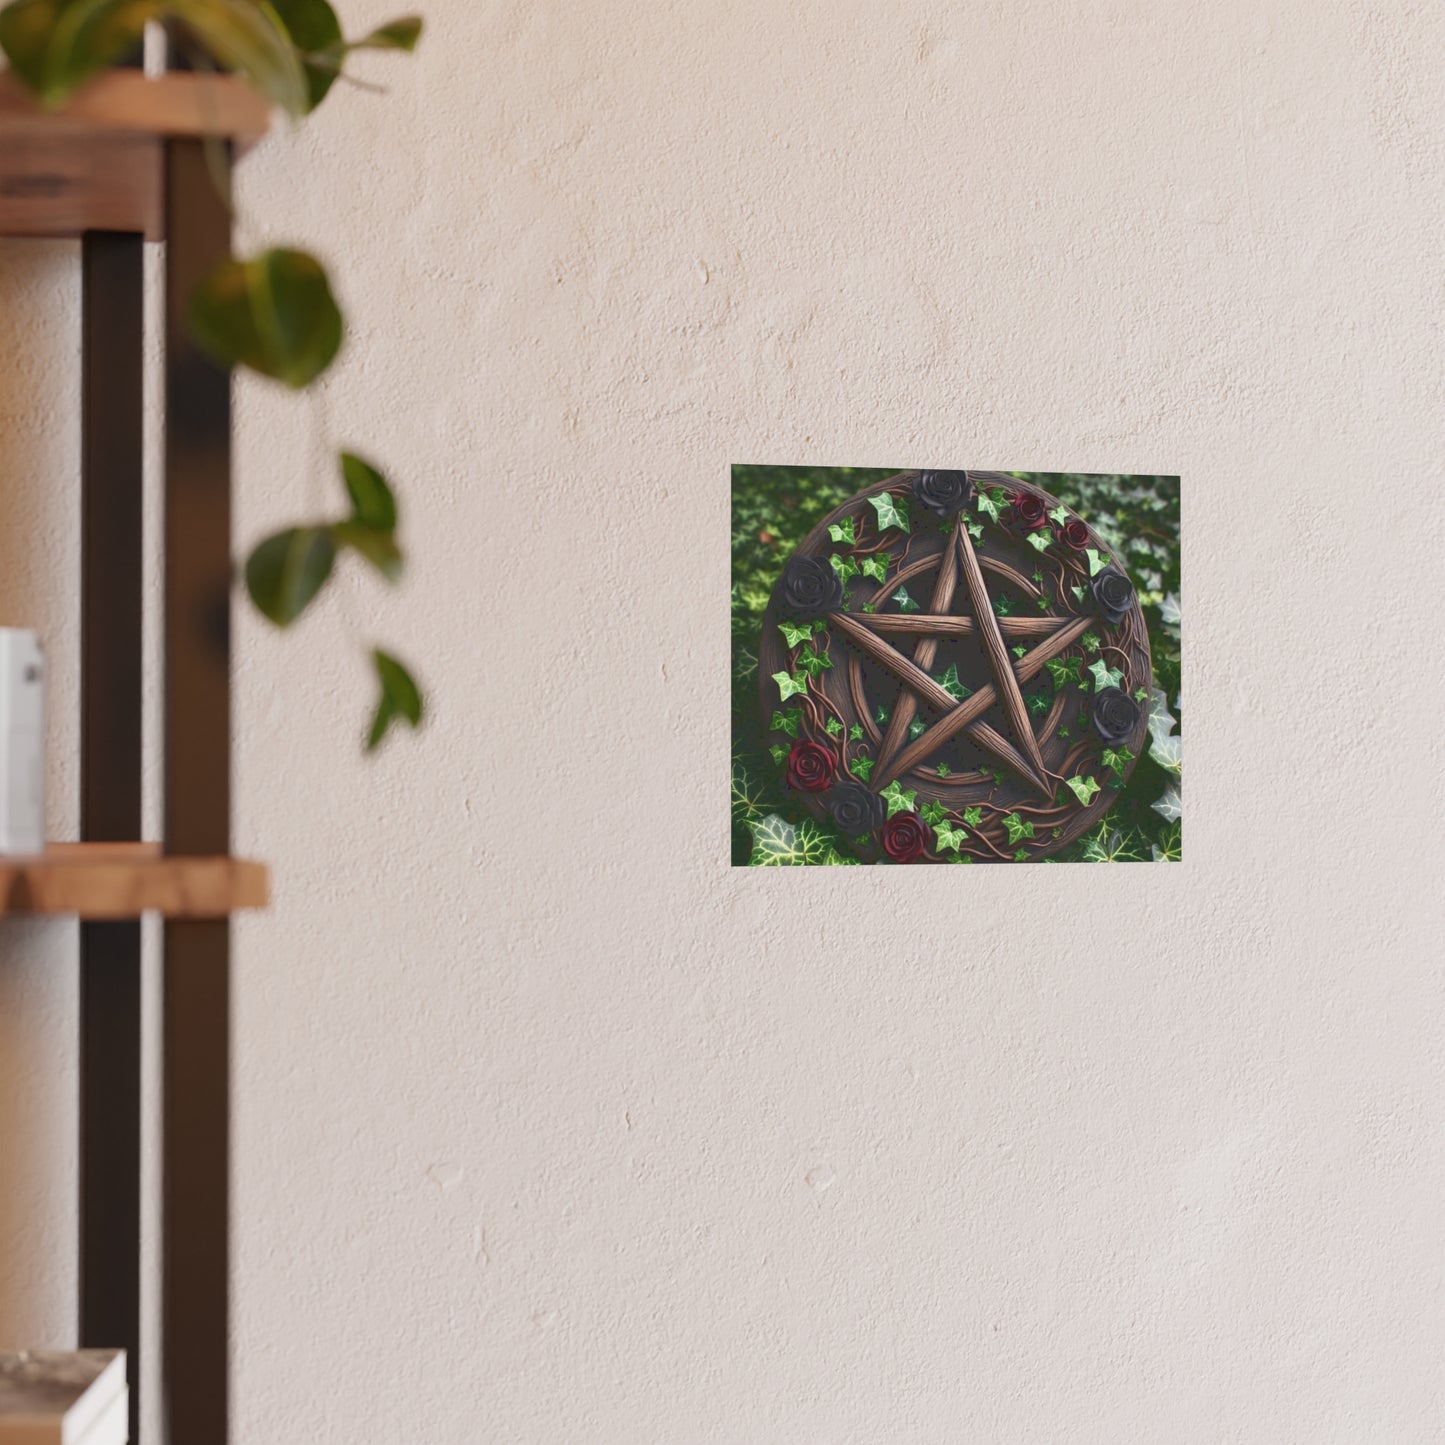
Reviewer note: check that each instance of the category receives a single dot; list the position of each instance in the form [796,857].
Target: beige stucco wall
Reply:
[551,1127]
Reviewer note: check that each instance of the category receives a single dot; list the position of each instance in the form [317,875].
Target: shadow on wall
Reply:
[39,464]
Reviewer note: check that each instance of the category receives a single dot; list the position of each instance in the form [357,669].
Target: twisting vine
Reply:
[273,313]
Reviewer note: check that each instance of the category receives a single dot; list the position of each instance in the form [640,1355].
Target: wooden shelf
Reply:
[124,880]
[96,164]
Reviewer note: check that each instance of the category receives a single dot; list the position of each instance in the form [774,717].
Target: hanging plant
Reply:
[275,313]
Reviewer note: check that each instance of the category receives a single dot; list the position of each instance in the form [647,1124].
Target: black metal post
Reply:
[197,1029]
[112,349]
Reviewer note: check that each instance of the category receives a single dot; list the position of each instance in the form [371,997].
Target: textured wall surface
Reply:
[552,1127]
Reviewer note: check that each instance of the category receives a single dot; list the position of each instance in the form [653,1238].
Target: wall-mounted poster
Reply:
[955,667]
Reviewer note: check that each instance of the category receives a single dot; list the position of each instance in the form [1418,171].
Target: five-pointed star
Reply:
[894,758]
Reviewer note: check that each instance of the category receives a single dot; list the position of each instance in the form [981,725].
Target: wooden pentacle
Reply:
[955,668]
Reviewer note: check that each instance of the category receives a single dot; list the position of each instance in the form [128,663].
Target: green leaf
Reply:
[916,728]
[274,314]
[876,566]
[1084,788]
[898,801]
[904,601]
[892,512]
[1019,650]
[880,714]
[855,733]
[1117,759]
[1038,702]
[399,34]
[249,39]
[787,721]
[1038,577]
[1165,746]
[778,843]
[990,504]
[1064,670]
[832,727]
[790,686]
[949,682]
[1091,642]
[933,813]
[1059,516]
[748,792]
[315,31]
[379,548]
[795,633]
[1169,611]
[944,770]
[1017,827]
[779,753]
[1170,848]
[1022,856]
[1170,806]
[861,767]
[845,567]
[1105,846]
[372,501]
[949,837]
[1040,539]
[811,661]
[975,530]
[286,571]
[1105,676]
[1097,561]
[973,816]
[1141,694]
[1078,593]
[1044,602]
[400,699]
[842,531]
[55,46]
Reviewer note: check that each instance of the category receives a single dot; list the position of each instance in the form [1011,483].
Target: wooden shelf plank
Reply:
[95,164]
[124,880]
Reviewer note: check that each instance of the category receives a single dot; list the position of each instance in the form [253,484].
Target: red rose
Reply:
[1075,534]
[904,837]
[811,767]
[1029,511]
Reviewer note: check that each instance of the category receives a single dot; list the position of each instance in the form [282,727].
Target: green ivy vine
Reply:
[274,313]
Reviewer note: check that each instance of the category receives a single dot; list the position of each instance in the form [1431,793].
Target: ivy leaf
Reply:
[1022,856]
[1038,577]
[973,816]
[1004,605]
[779,753]
[933,813]
[1169,611]
[274,314]
[1059,516]
[1165,746]
[1044,601]
[1078,593]
[948,837]
[1097,561]
[880,714]
[1169,807]
[832,727]
[861,767]
[787,721]
[1019,650]
[1141,694]
[778,843]
[855,733]
[975,530]
[795,633]
[944,770]
[1064,670]
[949,682]
[1117,759]
[1084,788]
[286,571]
[876,566]
[842,531]
[1040,539]
[845,567]
[916,728]
[990,504]
[898,801]
[891,512]
[811,661]
[400,699]
[790,686]
[1105,676]
[904,601]
[1017,827]
[1038,702]
[1091,642]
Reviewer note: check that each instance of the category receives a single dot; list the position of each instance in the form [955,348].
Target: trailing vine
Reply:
[273,313]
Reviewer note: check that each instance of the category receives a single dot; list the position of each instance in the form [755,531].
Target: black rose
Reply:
[856,809]
[809,586]
[1115,715]
[943,493]
[1114,593]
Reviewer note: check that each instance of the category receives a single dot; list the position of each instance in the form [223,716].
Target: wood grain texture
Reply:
[926,624]
[124,880]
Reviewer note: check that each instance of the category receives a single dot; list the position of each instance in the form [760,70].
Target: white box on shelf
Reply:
[54,1398]
[22,724]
